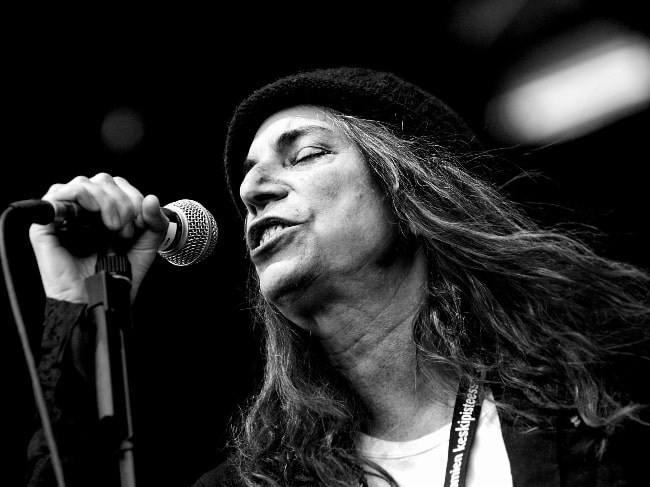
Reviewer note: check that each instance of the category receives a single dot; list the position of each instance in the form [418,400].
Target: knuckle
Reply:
[102,177]
[120,180]
[54,188]
[79,180]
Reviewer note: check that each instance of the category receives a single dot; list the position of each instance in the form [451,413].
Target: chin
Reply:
[277,281]
[284,287]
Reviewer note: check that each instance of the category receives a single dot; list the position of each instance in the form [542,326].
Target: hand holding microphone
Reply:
[183,232]
[130,226]
[191,234]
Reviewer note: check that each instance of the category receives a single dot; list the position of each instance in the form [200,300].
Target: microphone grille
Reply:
[202,233]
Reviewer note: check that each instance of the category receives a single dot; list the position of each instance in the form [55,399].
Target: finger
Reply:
[152,214]
[52,190]
[97,194]
[79,190]
[72,191]
[118,209]
[135,196]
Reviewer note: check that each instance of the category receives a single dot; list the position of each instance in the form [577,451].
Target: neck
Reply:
[367,333]
[403,402]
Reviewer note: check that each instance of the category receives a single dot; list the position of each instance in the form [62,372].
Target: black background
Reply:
[196,355]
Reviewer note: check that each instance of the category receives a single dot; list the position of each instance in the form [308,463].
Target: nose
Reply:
[260,187]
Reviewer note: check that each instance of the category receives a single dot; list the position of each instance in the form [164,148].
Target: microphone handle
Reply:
[65,212]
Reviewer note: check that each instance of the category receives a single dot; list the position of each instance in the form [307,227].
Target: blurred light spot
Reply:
[122,130]
[565,99]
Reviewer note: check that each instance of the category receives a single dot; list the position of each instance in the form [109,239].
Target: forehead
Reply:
[290,119]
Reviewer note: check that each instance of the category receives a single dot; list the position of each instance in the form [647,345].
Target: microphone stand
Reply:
[109,310]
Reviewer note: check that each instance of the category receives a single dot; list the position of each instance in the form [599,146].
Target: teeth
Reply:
[269,233]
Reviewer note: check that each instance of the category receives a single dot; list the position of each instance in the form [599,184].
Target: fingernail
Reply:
[128,231]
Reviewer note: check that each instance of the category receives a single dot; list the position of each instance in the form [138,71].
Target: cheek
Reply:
[361,223]
[349,210]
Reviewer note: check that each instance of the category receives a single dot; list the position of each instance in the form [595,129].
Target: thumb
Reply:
[152,215]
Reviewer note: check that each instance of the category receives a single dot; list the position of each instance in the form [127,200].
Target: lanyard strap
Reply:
[463,428]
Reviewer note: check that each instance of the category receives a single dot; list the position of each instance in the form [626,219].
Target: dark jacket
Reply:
[542,459]
[550,458]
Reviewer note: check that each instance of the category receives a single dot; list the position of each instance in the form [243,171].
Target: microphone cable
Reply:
[29,356]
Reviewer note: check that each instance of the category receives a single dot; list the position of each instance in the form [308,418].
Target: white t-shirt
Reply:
[422,462]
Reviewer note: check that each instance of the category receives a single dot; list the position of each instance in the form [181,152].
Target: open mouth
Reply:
[265,231]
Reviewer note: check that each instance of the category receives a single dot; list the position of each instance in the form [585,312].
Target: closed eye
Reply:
[307,153]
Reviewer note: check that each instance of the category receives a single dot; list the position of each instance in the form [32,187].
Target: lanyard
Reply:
[464,424]
[463,428]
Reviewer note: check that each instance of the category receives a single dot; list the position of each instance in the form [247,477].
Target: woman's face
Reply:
[315,218]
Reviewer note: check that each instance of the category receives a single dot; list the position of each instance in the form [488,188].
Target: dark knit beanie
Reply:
[365,93]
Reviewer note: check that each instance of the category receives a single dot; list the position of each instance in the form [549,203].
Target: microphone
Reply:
[191,235]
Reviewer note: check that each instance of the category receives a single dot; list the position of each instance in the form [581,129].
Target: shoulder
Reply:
[574,454]
[569,452]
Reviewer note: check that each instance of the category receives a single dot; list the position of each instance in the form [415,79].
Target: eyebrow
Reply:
[286,139]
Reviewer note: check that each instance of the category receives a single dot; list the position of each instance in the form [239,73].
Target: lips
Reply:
[264,230]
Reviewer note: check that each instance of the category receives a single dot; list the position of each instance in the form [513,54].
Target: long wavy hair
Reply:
[509,303]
